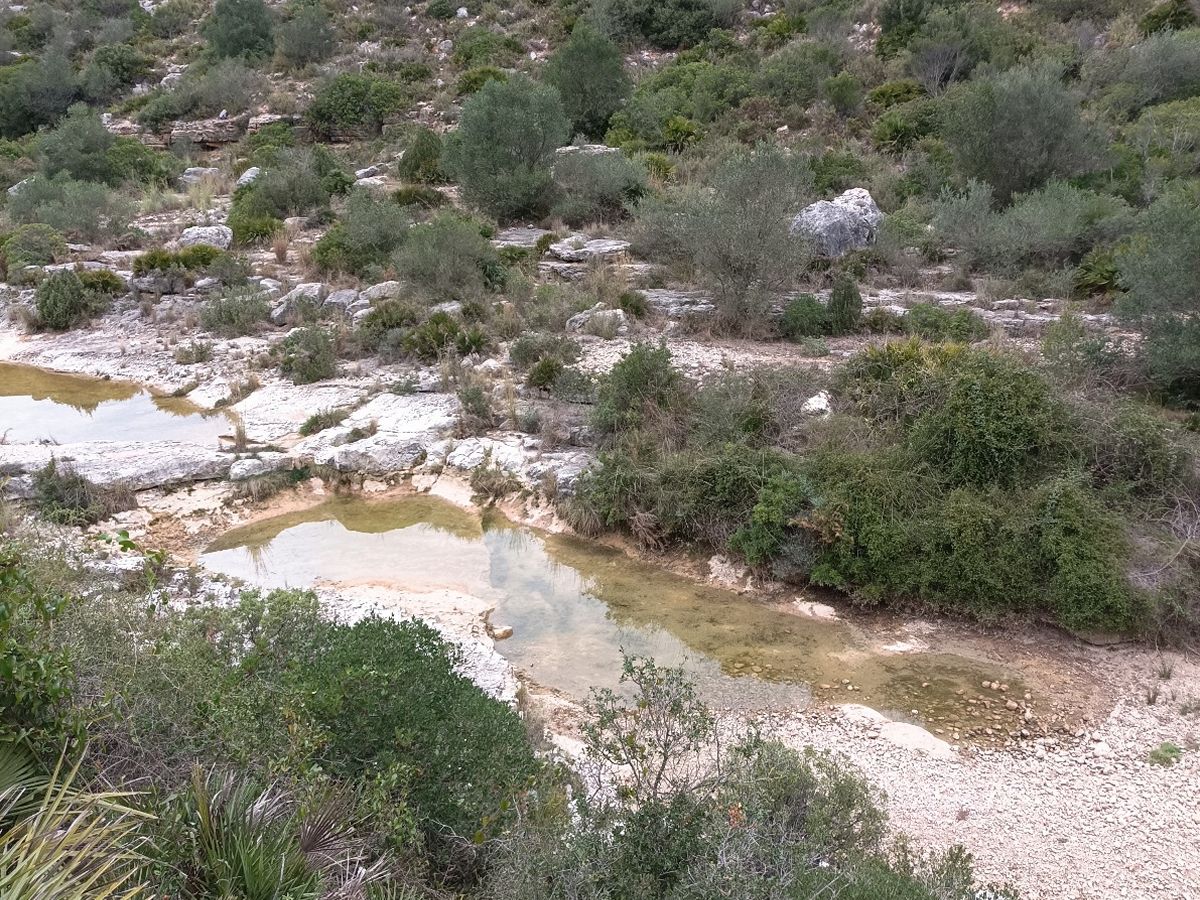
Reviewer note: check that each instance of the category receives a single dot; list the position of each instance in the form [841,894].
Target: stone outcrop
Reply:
[137,465]
[836,227]
[599,320]
[580,248]
[219,236]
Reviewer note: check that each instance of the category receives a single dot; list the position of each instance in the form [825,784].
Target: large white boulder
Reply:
[219,236]
[848,222]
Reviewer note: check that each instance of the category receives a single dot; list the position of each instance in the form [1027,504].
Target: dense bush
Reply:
[367,233]
[229,84]
[305,38]
[596,187]
[933,323]
[32,245]
[1018,129]
[62,301]
[422,160]
[353,105]
[240,28]
[308,355]
[667,24]
[845,306]
[734,231]
[589,74]
[301,182]
[449,259]
[35,93]
[236,314]
[504,145]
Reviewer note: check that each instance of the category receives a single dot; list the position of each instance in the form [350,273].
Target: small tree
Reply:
[78,146]
[240,28]
[1018,129]
[62,301]
[845,306]
[590,77]
[422,161]
[505,144]
[306,37]
[353,104]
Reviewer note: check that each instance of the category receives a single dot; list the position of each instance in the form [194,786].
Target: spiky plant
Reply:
[70,844]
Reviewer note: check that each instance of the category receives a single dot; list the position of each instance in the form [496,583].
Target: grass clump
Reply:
[64,496]
[319,421]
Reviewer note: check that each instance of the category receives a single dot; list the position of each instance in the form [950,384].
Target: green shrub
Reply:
[1097,274]
[240,28]
[421,195]
[63,302]
[386,320]
[80,210]
[236,315]
[354,105]
[643,383]
[307,355]
[422,160]
[305,38]
[473,80]
[804,317]
[440,9]
[793,75]
[1018,129]
[64,496]
[589,74]
[504,145]
[369,231]
[1169,15]
[113,69]
[320,421]
[448,258]
[902,126]
[531,347]
[300,183]
[1165,754]
[430,340]
[480,46]
[36,93]
[845,306]
[893,93]
[666,24]
[101,283]
[596,187]
[32,245]
[39,679]
[545,372]
[933,323]
[78,146]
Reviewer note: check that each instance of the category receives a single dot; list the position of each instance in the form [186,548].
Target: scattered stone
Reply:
[249,176]
[599,320]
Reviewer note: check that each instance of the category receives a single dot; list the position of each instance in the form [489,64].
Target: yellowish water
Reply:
[36,405]
[574,606]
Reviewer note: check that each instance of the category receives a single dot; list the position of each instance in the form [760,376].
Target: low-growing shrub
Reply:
[596,187]
[449,259]
[367,233]
[32,245]
[473,80]
[62,301]
[308,355]
[235,315]
[319,421]
[64,496]
[934,323]
[353,105]
[422,160]
[804,317]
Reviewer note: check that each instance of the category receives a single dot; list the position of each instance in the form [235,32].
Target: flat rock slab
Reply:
[579,248]
[526,238]
[277,410]
[405,426]
[138,465]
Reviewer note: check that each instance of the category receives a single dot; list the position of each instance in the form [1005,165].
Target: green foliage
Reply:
[903,125]
[235,315]
[113,69]
[65,497]
[422,195]
[306,38]
[1097,274]
[240,28]
[804,317]
[229,84]
[299,183]
[894,93]
[793,75]
[353,105]
[422,160]
[1165,754]
[734,231]
[79,147]
[480,46]
[504,145]
[545,372]
[448,259]
[845,306]
[38,677]
[63,302]
[307,355]
[368,232]
[934,323]
[473,80]
[79,209]
[666,24]
[1018,129]
[430,340]
[596,187]
[1169,15]
[642,384]
[32,245]
[35,93]
[589,74]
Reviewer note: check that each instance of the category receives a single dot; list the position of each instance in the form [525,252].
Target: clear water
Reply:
[574,606]
[36,405]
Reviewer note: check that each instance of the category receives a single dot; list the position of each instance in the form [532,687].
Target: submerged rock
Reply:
[848,222]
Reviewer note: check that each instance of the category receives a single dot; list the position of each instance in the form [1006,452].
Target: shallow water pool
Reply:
[574,606]
[37,405]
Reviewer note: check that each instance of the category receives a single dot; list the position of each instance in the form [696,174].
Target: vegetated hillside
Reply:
[1019,443]
[1037,162]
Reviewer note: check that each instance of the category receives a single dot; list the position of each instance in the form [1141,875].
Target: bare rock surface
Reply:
[134,464]
[848,222]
